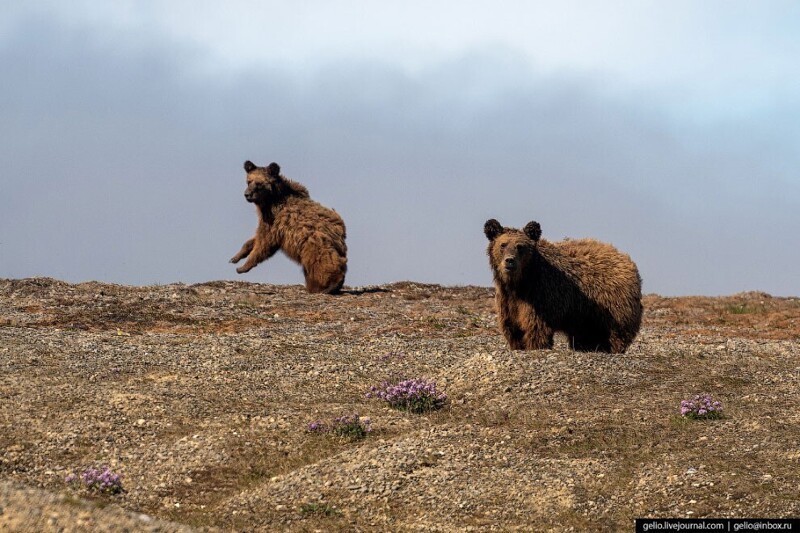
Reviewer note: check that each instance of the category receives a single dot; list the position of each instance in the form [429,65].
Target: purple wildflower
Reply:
[97,479]
[701,406]
[414,395]
[317,427]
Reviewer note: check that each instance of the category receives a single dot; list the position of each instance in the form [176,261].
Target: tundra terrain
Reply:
[200,396]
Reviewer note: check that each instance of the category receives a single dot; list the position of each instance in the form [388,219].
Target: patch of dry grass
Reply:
[203,408]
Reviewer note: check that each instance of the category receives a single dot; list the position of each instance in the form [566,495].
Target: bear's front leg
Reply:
[513,334]
[538,336]
[246,249]
[538,339]
[261,252]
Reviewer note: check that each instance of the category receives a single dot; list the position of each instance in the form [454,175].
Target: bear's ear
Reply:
[492,229]
[533,230]
[249,166]
[274,170]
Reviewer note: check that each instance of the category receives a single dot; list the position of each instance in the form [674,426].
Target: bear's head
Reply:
[263,183]
[511,250]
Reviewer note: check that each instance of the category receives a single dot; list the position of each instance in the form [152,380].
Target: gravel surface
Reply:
[200,395]
[25,508]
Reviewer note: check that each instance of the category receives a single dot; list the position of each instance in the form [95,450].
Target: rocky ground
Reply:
[200,396]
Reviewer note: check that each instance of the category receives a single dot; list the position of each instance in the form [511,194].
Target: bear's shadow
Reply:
[357,291]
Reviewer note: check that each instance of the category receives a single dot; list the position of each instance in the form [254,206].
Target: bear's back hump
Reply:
[302,219]
[599,269]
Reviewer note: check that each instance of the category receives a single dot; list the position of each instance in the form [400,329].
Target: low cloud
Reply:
[123,163]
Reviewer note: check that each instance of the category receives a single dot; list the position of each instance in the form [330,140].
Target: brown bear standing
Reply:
[587,289]
[289,220]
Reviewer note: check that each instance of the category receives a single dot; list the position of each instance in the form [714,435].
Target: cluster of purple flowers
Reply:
[414,395]
[317,427]
[348,426]
[701,406]
[97,479]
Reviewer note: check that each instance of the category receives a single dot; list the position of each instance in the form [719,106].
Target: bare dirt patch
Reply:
[199,395]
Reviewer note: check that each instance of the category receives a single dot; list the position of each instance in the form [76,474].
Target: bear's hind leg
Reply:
[326,276]
[331,285]
[336,286]
[618,343]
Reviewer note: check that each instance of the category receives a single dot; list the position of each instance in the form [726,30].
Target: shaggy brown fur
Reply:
[289,220]
[584,288]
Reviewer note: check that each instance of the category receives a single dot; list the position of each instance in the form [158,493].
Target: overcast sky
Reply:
[670,129]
